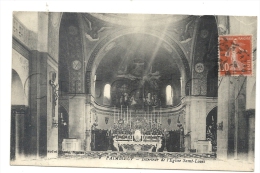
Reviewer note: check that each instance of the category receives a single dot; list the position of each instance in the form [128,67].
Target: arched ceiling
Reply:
[139,63]
[137,55]
[142,54]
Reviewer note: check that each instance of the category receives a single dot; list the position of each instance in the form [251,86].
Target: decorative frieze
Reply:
[25,36]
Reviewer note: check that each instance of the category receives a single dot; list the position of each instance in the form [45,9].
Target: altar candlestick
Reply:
[114,114]
[124,115]
[121,112]
[157,120]
[118,115]
[151,120]
[148,114]
[127,114]
[152,116]
[160,116]
[130,119]
[154,113]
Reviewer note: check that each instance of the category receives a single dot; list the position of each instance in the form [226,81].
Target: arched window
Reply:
[106,100]
[169,95]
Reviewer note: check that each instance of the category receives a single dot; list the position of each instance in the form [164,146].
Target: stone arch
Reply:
[211,128]
[96,56]
[210,109]
[18,93]
[19,117]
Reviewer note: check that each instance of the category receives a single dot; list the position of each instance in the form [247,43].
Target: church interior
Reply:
[126,83]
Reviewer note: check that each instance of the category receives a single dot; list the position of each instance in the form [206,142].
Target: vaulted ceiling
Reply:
[137,58]
[134,48]
[137,62]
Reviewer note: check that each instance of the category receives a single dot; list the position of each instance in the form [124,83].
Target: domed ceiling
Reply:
[137,67]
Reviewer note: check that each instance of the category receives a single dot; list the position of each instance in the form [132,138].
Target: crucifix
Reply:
[53,91]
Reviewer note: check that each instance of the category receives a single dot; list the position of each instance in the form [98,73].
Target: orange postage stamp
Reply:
[235,55]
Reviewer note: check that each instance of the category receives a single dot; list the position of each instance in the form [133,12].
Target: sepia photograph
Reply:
[155,91]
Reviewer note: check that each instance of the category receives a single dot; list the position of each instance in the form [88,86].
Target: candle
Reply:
[148,114]
[154,113]
[124,116]
[157,120]
[127,114]
[114,114]
[160,116]
[121,112]
[118,115]
[130,119]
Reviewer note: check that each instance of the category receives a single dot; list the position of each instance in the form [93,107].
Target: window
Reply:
[169,95]
[107,94]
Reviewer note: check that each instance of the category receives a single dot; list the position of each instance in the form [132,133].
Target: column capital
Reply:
[20,109]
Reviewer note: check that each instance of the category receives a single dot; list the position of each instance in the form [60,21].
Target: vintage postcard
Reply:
[127,90]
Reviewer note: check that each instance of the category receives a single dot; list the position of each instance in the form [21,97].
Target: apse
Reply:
[137,69]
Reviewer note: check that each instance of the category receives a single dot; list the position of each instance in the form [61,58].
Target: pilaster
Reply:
[195,125]
[251,134]
[77,117]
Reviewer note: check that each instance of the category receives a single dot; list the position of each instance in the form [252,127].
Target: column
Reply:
[43,128]
[226,121]
[77,117]
[18,132]
[187,139]
[88,127]
[251,134]
[195,126]
[38,104]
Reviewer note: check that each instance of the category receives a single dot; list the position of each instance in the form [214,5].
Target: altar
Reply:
[147,143]
[138,134]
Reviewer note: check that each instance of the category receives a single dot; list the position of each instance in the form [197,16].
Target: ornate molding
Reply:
[20,48]
[26,37]
[19,109]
